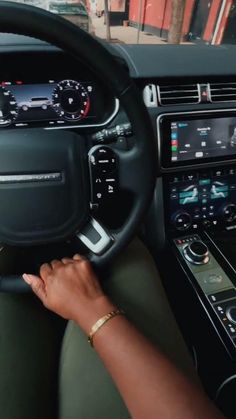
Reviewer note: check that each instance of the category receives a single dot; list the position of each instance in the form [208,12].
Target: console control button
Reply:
[231,314]
[182,221]
[196,253]
[207,223]
[223,295]
[215,279]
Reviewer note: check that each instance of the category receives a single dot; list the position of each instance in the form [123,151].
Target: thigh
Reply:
[86,389]
[135,285]
[28,368]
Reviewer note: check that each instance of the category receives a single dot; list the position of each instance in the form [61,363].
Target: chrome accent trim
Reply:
[150,89]
[111,117]
[188,258]
[222,254]
[201,298]
[41,177]
[231,319]
[197,90]
[223,384]
[209,92]
[103,244]
[187,165]
[223,89]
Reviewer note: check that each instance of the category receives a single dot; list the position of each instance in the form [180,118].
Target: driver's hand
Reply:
[71,289]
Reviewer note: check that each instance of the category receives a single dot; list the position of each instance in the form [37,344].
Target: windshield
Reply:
[193,22]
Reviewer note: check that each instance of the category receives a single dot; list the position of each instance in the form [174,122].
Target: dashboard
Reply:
[40,86]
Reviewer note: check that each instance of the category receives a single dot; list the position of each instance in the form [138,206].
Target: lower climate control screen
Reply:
[202,199]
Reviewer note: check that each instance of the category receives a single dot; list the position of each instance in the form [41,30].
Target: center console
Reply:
[197,153]
[199,199]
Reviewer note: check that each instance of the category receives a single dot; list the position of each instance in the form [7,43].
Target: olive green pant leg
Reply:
[86,389]
[28,365]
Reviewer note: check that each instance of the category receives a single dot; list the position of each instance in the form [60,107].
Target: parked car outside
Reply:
[74,12]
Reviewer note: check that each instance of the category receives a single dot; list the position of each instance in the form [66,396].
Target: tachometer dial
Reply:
[8,107]
[71,100]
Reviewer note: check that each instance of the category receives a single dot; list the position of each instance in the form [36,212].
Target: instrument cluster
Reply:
[51,104]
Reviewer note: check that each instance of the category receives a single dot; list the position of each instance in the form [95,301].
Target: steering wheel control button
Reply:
[196,253]
[103,170]
[105,160]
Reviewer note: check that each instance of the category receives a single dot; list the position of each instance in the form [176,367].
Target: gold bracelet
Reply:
[101,322]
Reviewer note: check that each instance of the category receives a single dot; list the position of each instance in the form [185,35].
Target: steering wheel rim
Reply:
[34,22]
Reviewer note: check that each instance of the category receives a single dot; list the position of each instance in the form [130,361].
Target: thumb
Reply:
[36,284]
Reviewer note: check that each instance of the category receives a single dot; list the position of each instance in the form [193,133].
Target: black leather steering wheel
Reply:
[19,225]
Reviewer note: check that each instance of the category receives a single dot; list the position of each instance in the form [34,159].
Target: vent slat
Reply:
[178,94]
[223,92]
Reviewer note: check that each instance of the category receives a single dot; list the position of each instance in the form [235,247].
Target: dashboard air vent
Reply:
[223,92]
[150,96]
[178,94]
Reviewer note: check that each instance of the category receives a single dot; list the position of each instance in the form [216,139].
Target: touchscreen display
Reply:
[204,138]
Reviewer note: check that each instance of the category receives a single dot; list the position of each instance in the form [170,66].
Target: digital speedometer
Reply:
[71,100]
[8,107]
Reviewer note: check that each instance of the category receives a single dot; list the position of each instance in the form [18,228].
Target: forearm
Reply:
[149,383]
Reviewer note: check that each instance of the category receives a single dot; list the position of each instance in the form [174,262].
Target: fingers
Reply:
[36,284]
[66,261]
[45,270]
[55,264]
[79,257]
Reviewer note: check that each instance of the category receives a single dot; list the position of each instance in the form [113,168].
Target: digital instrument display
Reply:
[66,102]
[193,139]
[202,198]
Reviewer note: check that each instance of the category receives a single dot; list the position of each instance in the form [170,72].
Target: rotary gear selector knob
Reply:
[196,253]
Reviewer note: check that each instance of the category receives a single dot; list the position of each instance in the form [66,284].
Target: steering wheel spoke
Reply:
[95,237]
[130,173]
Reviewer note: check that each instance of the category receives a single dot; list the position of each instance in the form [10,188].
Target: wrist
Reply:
[94,311]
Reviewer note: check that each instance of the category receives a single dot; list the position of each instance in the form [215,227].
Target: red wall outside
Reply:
[158,13]
[212,20]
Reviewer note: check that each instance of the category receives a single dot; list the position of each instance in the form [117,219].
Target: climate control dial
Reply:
[182,221]
[229,213]
[231,314]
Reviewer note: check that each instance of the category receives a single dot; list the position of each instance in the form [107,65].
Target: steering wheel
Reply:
[44,176]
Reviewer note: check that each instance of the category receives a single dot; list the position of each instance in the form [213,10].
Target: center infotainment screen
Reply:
[193,138]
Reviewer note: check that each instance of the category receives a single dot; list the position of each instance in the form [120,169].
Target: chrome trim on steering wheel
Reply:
[102,244]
